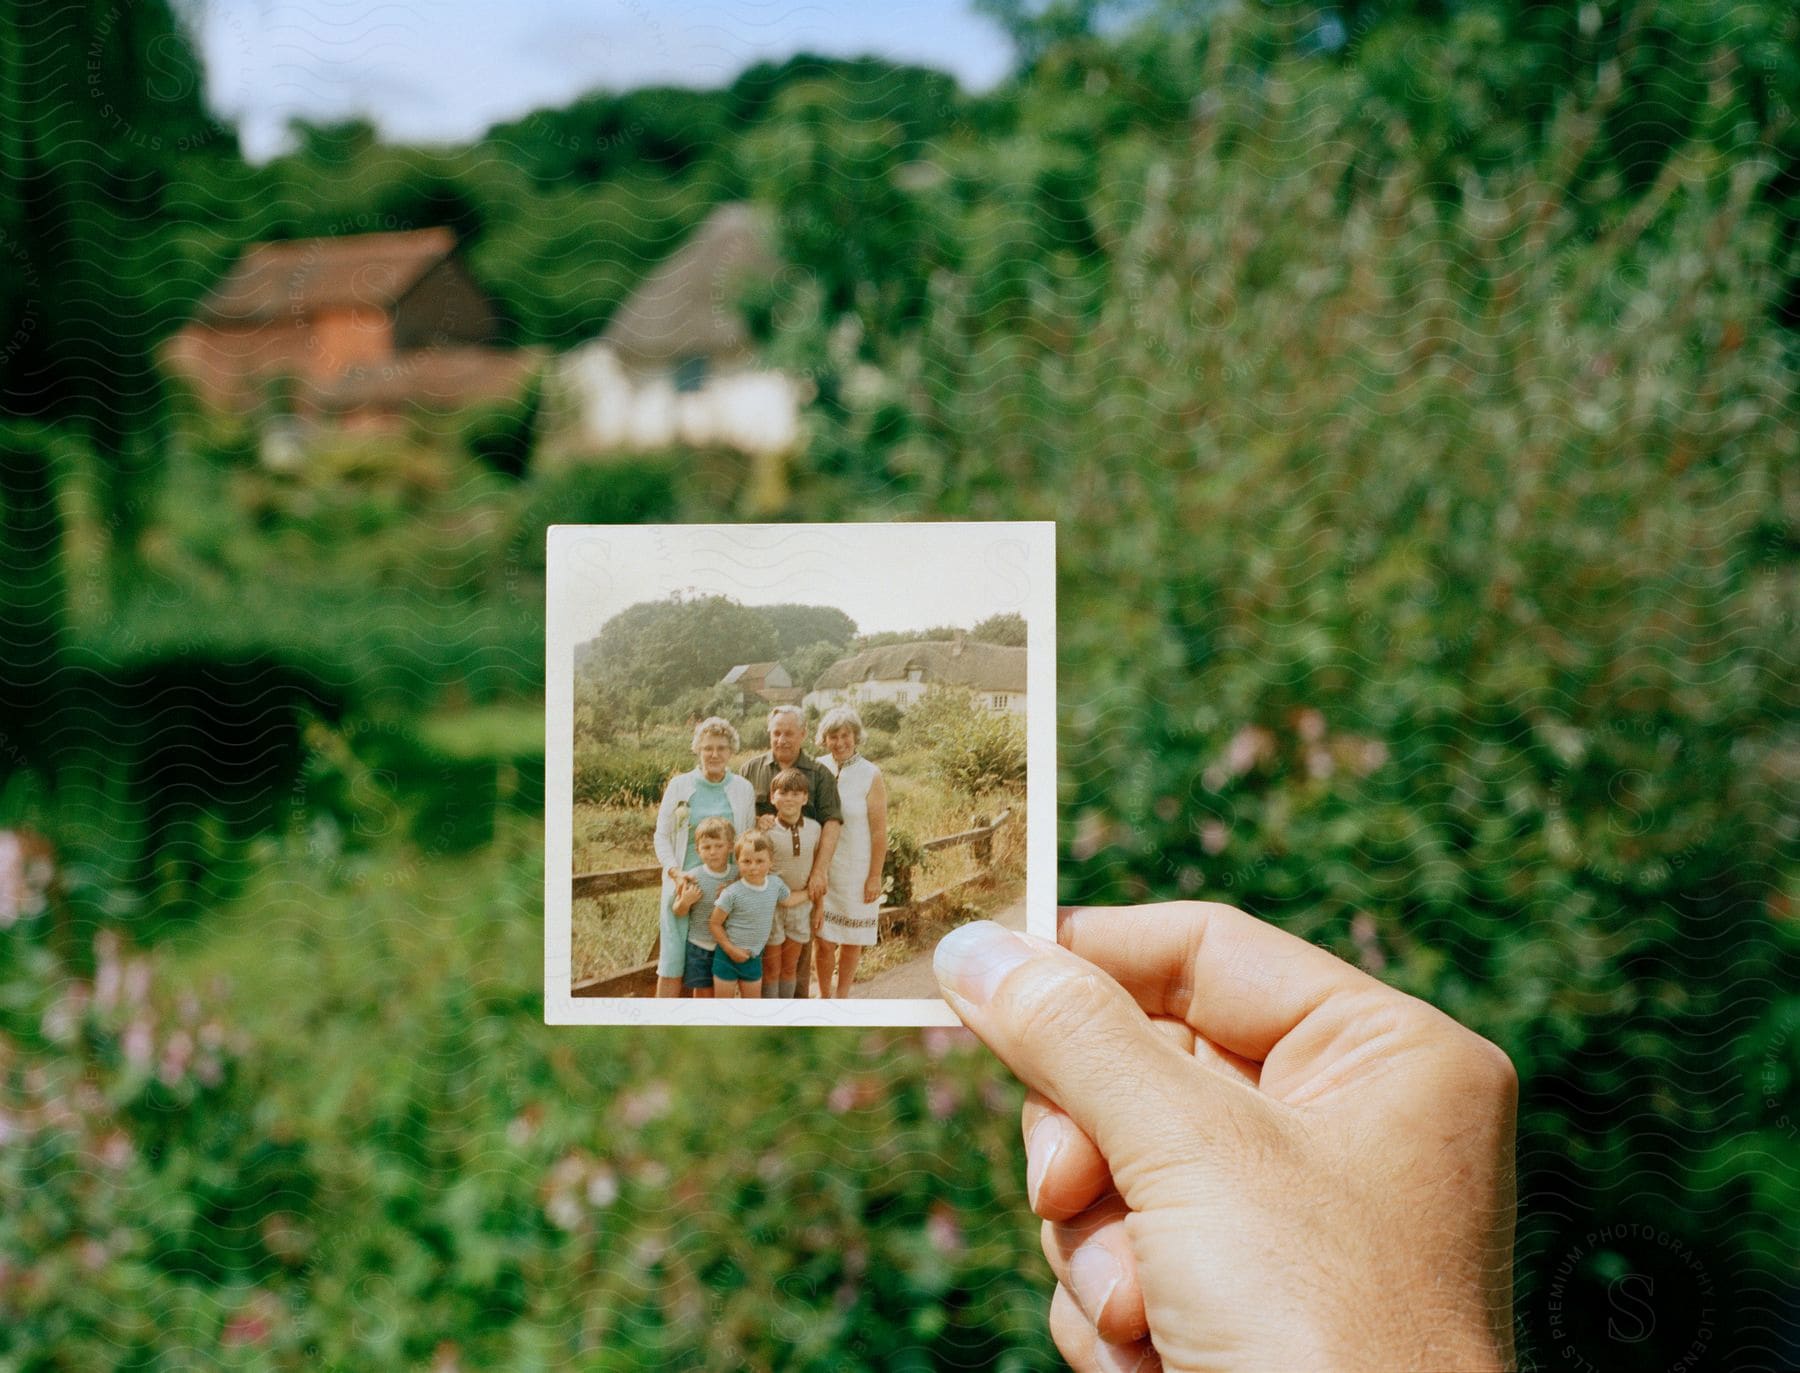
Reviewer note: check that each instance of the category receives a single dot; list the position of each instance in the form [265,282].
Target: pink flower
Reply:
[138,1044]
[1250,747]
[1367,937]
[943,1229]
[178,1053]
[941,1039]
[115,1149]
[27,868]
[941,1099]
[602,1187]
[638,1109]
[523,1128]
[841,1099]
[254,1322]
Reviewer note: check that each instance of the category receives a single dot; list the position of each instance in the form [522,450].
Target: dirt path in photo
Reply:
[914,979]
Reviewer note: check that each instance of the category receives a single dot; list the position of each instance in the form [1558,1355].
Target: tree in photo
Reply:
[669,646]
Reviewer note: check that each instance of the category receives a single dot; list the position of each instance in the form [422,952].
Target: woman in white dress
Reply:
[852,904]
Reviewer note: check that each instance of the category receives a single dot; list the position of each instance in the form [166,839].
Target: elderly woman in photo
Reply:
[853,885]
[712,788]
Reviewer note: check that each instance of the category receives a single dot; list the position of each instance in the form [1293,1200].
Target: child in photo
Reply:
[743,915]
[796,840]
[694,895]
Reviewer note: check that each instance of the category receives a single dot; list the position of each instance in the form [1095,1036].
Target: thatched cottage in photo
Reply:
[674,367]
[902,673]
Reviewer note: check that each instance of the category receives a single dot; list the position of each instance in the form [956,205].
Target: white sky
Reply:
[883,576]
[444,70]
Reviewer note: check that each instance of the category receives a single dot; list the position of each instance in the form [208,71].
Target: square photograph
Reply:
[784,760]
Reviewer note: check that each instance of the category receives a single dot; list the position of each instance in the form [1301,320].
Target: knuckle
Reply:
[1491,1066]
[1059,1007]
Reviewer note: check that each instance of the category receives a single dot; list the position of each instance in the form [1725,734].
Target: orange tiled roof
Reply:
[298,277]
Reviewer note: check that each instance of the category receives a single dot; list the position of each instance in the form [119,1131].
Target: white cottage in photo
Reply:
[903,673]
[674,367]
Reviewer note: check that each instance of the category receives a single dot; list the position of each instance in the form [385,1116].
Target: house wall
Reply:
[229,365]
[615,410]
[348,336]
[904,694]
[444,306]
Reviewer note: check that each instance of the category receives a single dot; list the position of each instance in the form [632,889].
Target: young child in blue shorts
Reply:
[742,916]
[692,907]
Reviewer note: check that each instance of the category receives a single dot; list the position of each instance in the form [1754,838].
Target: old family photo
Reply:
[795,757]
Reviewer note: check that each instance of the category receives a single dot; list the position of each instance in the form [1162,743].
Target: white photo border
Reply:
[1019,554]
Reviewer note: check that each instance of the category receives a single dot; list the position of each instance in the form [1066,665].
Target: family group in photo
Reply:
[764,866]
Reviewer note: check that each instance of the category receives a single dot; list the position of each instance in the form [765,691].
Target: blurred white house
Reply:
[903,673]
[674,367]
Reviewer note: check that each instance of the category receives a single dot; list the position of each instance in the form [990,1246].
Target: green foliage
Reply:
[799,626]
[671,645]
[623,492]
[898,868]
[503,434]
[1402,543]
[617,777]
[881,714]
[686,644]
[804,665]
[1008,629]
[1404,383]
[972,749]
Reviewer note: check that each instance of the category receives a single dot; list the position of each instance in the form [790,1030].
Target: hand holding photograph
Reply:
[783,760]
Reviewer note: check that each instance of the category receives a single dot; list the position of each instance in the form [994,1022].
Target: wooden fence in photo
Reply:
[641,980]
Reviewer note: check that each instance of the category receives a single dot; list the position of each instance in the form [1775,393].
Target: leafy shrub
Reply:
[881,714]
[614,492]
[899,868]
[972,748]
[503,433]
[614,777]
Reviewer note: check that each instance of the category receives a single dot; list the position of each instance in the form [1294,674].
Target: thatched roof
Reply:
[298,277]
[687,307]
[987,667]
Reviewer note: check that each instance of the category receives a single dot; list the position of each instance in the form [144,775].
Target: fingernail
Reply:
[1093,1273]
[1040,1152]
[1119,1358]
[972,959]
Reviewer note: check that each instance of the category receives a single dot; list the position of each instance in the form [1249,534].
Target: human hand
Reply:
[765,822]
[872,888]
[1247,1153]
[737,955]
[815,888]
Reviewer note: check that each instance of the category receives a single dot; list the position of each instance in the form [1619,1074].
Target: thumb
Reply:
[1070,1031]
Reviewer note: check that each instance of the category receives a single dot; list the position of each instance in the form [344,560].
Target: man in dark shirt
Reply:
[787,727]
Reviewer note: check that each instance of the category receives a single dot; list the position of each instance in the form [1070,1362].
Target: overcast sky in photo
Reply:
[442,71]
[883,576]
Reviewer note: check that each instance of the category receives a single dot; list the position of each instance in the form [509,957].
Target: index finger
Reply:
[1239,981]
